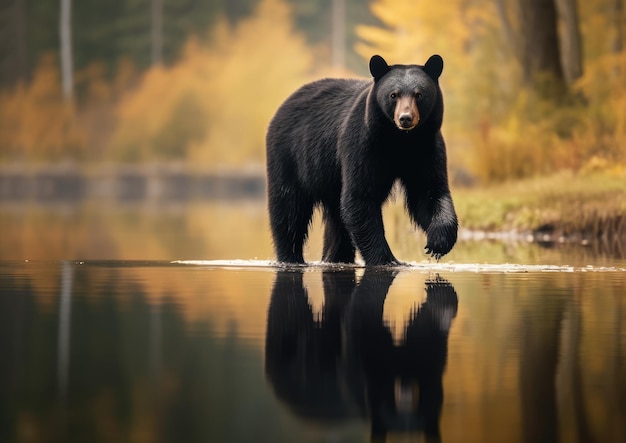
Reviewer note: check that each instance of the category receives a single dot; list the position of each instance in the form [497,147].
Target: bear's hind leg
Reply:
[338,247]
[290,215]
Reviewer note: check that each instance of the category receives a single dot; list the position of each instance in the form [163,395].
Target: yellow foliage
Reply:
[471,84]
[125,76]
[93,76]
[212,108]
[36,123]
[493,124]
[413,30]
[604,123]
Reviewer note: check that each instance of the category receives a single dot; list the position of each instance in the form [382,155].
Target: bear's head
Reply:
[407,94]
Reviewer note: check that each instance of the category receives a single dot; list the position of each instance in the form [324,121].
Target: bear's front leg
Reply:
[364,221]
[435,215]
[429,202]
[442,231]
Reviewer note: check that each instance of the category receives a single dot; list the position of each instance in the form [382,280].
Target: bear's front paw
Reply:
[440,239]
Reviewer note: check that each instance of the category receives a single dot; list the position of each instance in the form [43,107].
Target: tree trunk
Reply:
[156,34]
[571,46]
[67,65]
[541,58]
[339,34]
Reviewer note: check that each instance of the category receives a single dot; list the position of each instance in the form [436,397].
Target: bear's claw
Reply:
[433,254]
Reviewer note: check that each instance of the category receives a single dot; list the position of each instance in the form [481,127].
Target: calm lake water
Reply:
[171,324]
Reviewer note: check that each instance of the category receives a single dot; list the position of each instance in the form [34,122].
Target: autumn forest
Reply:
[532,87]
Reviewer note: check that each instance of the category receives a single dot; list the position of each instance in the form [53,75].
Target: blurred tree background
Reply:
[532,86]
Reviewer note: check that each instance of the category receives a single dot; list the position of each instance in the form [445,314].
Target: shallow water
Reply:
[240,350]
[169,322]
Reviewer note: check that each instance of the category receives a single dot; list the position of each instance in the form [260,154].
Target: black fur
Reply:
[335,143]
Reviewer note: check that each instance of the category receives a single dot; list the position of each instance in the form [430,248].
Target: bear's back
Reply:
[336,94]
[306,127]
[302,137]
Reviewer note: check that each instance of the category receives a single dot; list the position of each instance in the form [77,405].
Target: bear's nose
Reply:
[406,120]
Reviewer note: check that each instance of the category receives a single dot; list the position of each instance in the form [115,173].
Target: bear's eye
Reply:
[393,95]
[418,95]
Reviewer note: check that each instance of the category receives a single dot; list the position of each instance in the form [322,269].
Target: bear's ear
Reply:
[434,66]
[378,67]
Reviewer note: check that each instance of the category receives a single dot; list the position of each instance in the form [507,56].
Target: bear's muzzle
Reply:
[406,115]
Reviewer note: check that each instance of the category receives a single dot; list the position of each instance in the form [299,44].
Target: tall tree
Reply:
[571,46]
[67,65]
[339,34]
[540,51]
[156,35]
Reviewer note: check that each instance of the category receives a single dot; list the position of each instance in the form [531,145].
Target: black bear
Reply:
[341,144]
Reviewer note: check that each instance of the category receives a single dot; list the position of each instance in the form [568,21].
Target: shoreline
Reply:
[607,230]
[45,184]
[563,208]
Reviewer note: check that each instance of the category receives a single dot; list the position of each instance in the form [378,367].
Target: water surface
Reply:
[153,321]
[243,351]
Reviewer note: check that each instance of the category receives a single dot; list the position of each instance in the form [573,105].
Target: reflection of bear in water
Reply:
[347,365]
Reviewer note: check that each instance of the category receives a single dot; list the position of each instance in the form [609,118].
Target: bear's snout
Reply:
[406,121]
[406,115]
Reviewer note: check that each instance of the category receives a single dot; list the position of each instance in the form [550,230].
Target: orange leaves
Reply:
[414,30]
[482,83]
[35,122]
[212,108]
